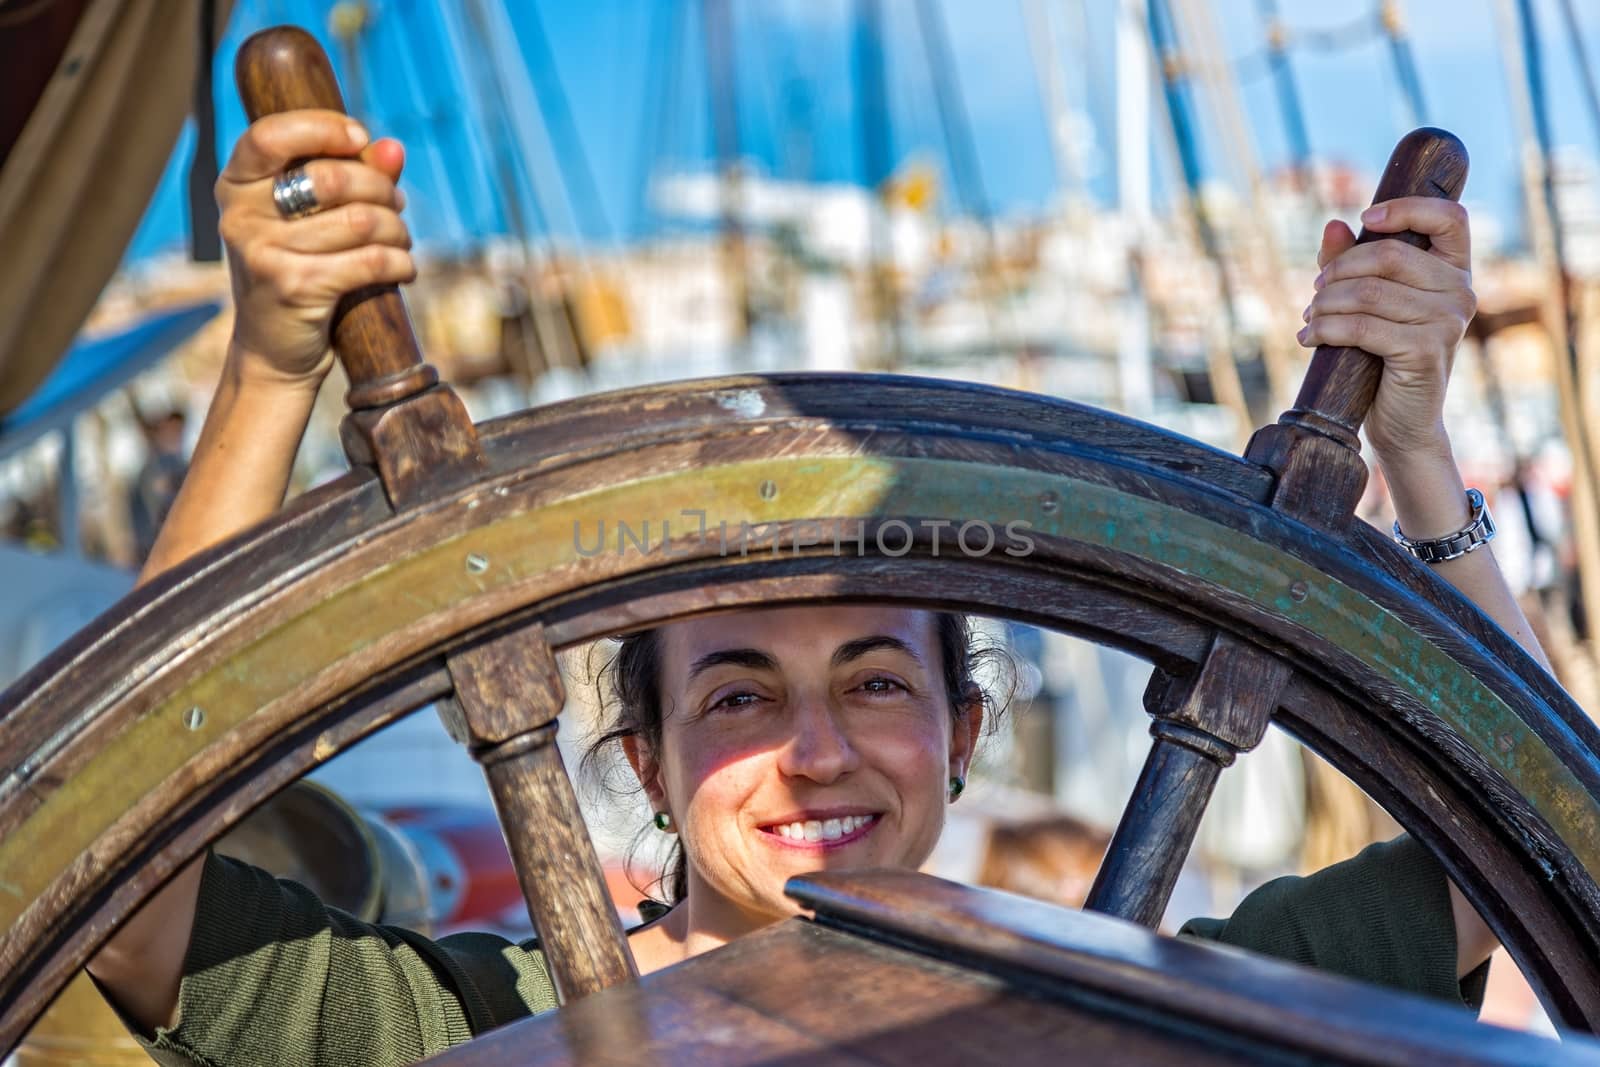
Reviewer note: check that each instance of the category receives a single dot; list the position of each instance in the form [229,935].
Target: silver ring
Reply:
[293,194]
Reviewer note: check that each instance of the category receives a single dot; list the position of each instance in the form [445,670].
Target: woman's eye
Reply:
[741,699]
[878,686]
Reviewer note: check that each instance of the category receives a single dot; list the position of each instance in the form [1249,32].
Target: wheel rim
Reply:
[107,801]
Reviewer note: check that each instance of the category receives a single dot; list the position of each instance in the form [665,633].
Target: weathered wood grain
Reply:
[421,444]
[1154,834]
[800,994]
[508,694]
[1406,788]
[890,402]
[161,835]
[1316,457]
[1115,507]
[1293,1010]
[472,566]
[917,971]
[1161,577]
[1202,722]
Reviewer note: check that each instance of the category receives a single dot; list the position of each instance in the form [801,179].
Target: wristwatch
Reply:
[1478,531]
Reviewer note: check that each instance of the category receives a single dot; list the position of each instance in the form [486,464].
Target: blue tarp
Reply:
[93,368]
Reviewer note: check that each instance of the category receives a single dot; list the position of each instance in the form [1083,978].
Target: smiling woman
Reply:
[773,741]
[790,740]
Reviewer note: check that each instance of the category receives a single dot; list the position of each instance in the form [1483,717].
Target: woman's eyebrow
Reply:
[862,645]
[753,658]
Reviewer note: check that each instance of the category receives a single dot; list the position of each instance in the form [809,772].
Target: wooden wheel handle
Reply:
[285,69]
[1342,382]
[413,430]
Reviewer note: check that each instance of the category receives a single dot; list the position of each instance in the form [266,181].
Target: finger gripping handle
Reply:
[285,69]
[1342,382]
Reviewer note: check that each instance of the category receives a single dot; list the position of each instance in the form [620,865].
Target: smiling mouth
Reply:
[823,832]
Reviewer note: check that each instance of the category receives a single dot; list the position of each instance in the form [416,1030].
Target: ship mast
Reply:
[875,132]
[722,96]
[1226,387]
[1256,247]
[1525,81]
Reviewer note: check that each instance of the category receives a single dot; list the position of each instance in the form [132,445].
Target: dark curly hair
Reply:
[630,694]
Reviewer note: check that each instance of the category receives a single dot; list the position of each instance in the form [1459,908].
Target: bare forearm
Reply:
[141,965]
[1430,501]
[241,465]
[237,478]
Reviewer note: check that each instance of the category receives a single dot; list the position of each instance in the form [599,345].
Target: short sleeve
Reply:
[274,976]
[1383,916]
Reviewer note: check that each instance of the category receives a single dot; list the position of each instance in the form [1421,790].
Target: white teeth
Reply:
[823,829]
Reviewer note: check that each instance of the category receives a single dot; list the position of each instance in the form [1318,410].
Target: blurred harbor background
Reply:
[1117,203]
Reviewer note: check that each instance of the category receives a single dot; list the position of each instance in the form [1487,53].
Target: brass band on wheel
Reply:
[525,551]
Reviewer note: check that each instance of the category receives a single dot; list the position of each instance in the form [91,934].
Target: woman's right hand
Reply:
[289,274]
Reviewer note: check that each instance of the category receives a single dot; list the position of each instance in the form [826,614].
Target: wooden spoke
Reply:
[1200,726]
[508,695]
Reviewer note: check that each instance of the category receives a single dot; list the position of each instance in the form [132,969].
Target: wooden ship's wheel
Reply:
[444,568]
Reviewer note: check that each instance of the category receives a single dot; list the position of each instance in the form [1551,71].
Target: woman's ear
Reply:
[966,731]
[642,758]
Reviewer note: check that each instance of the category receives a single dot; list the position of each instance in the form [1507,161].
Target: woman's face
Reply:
[799,739]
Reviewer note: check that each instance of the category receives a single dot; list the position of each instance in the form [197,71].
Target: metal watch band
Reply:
[1479,531]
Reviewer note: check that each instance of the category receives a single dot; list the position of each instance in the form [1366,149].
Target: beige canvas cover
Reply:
[76,183]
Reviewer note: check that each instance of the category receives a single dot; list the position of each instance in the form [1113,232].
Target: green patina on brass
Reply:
[517,547]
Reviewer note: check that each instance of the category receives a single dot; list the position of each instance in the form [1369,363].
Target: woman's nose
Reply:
[819,746]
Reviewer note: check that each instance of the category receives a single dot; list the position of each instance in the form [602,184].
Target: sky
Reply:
[634,77]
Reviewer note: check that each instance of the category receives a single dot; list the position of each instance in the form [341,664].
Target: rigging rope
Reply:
[1569,381]
[660,82]
[1282,39]
[572,160]
[1222,367]
[952,112]
[1289,107]
[1384,21]
[1580,57]
[1405,63]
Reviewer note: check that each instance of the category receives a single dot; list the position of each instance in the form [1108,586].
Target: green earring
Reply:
[958,785]
[663,821]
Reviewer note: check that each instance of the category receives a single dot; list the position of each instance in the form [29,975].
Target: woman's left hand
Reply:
[1404,305]
[1411,308]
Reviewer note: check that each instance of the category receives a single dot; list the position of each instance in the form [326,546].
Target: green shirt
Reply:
[274,977]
